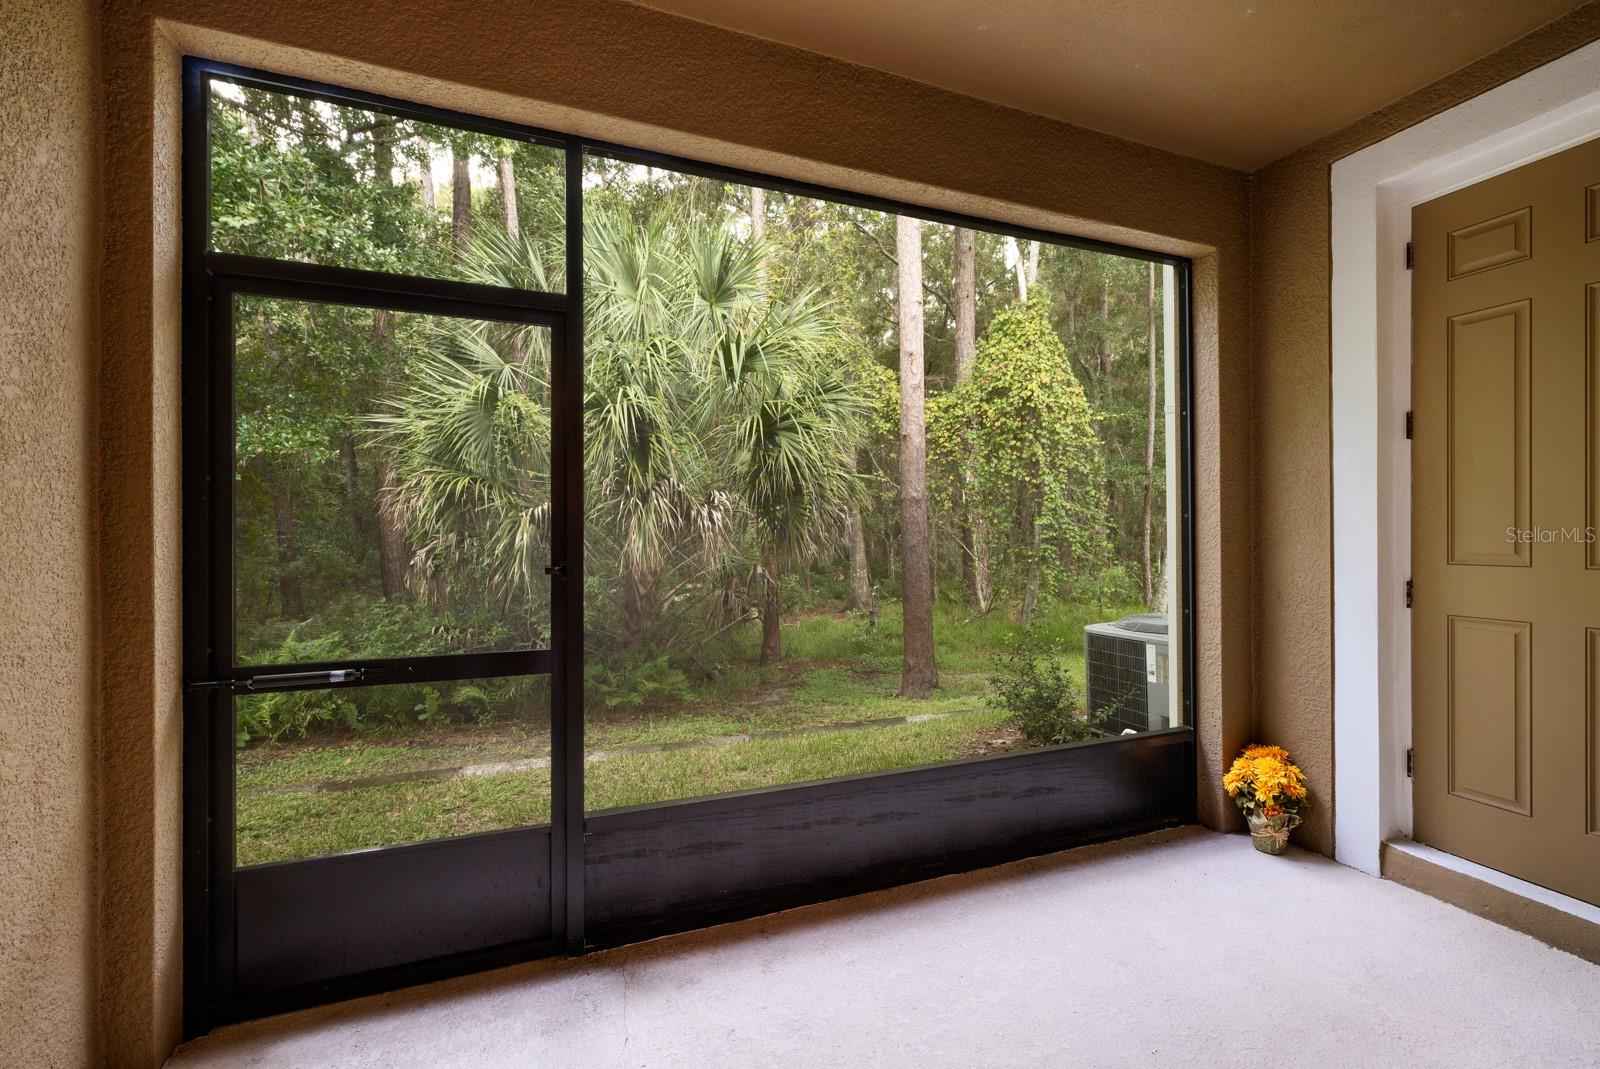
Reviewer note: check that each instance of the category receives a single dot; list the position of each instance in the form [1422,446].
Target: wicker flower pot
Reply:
[1271,834]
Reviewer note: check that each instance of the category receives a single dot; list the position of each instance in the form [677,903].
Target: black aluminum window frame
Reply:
[211,278]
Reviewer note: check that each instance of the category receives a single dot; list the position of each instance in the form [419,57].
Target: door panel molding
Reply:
[1591,762]
[1490,709]
[1497,242]
[1488,398]
[1591,349]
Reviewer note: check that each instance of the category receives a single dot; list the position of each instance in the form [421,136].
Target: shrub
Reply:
[627,677]
[1034,686]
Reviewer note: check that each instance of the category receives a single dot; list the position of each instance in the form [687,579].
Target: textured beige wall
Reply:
[631,74]
[1292,458]
[603,69]
[48,280]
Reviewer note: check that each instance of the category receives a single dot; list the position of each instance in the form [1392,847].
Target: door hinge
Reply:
[1411,425]
[1410,591]
[1411,256]
[1411,762]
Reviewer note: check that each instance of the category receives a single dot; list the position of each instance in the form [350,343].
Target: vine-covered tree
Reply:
[1025,426]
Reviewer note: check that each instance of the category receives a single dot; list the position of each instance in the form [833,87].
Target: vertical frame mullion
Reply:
[1184,276]
[567,735]
[197,707]
[221,434]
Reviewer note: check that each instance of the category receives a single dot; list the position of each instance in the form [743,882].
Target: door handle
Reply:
[301,679]
[284,680]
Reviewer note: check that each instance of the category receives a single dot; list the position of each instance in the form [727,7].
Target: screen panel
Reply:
[391,483]
[298,178]
[791,399]
[330,771]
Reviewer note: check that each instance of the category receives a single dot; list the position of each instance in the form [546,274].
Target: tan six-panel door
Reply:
[1506,502]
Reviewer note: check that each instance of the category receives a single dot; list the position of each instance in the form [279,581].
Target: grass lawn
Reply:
[295,799]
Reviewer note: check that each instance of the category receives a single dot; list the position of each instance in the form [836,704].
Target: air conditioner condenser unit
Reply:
[1125,670]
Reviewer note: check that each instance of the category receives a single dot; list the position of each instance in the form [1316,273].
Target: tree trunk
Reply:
[1149,439]
[771,610]
[352,484]
[1105,351]
[393,560]
[918,674]
[289,592]
[1018,269]
[982,584]
[860,599]
[430,197]
[1030,589]
[974,541]
[758,211]
[966,303]
[460,202]
[1025,265]
[508,195]
[771,590]
[758,224]
[641,605]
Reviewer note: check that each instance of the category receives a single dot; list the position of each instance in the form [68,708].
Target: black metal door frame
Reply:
[540,913]
[952,816]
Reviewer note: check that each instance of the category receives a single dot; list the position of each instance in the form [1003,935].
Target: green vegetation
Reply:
[304,799]
[288,825]
[766,550]
[1046,701]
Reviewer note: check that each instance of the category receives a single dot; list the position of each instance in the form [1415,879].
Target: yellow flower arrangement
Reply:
[1264,781]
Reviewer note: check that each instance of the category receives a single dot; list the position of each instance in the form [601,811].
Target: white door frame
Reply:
[1373,191]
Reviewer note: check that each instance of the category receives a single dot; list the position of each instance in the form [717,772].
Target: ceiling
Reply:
[1236,82]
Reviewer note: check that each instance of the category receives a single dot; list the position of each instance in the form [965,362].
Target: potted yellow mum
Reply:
[1272,791]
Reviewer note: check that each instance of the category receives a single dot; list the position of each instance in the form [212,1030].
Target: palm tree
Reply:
[782,423]
[470,441]
[711,421]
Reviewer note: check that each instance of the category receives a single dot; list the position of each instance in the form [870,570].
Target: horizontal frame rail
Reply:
[383,671]
[676,866]
[378,289]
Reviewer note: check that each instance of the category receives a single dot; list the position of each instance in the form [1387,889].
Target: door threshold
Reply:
[1558,920]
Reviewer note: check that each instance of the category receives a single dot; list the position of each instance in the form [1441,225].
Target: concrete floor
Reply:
[1180,948]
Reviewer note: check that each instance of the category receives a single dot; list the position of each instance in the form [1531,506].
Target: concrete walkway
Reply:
[1175,949]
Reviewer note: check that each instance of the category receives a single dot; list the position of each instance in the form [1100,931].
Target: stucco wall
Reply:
[79,480]
[48,280]
[1292,457]
[634,75]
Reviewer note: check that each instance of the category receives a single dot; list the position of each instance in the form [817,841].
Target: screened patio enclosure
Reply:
[583,544]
